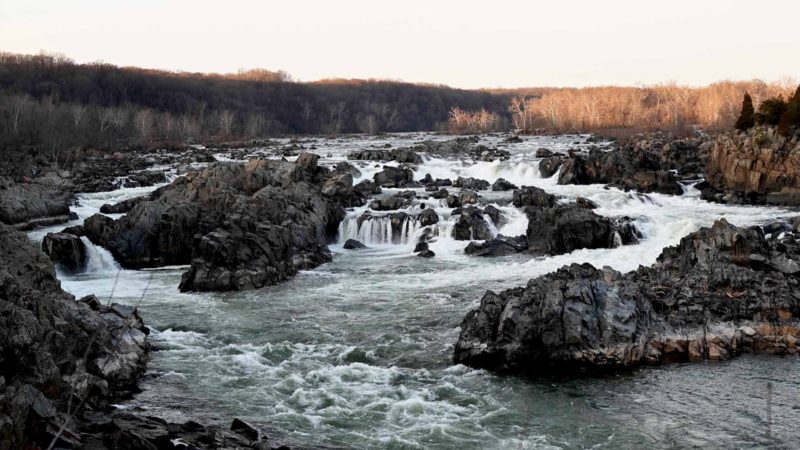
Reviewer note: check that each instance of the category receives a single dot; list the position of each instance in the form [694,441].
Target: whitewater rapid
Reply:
[357,352]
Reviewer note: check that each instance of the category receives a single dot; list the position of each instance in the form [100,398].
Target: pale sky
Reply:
[469,44]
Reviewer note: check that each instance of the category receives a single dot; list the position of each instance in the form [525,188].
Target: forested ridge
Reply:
[48,100]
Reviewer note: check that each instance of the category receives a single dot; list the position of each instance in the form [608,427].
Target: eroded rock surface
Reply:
[722,291]
[240,226]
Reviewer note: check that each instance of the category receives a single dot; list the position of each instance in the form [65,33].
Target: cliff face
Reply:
[759,162]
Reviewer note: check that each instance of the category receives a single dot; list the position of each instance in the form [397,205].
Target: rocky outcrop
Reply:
[66,250]
[463,146]
[28,205]
[759,166]
[627,168]
[471,225]
[722,291]
[57,355]
[240,226]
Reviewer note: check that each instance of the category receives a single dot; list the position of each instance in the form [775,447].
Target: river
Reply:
[357,353]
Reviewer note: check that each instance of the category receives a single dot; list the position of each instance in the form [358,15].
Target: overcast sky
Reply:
[462,43]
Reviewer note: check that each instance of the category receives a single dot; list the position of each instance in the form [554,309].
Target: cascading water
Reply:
[98,259]
[356,353]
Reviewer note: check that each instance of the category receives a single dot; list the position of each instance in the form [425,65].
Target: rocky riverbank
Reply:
[758,166]
[722,291]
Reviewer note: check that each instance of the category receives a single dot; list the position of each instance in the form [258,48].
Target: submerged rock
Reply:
[499,246]
[718,293]
[352,244]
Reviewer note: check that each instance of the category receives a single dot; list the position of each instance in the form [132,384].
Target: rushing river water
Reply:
[357,353]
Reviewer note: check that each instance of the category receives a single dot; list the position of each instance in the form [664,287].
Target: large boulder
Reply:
[66,250]
[564,228]
[501,184]
[474,184]
[240,226]
[471,225]
[550,165]
[394,177]
[533,196]
[722,291]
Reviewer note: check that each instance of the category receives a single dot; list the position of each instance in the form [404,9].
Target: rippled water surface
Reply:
[357,353]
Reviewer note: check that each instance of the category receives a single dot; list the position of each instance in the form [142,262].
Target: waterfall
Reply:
[99,259]
[376,230]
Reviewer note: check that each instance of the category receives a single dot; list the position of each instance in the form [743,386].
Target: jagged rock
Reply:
[495,214]
[345,167]
[471,225]
[389,203]
[626,168]
[532,196]
[401,155]
[367,189]
[499,246]
[352,244]
[144,179]
[474,184]
[584,202]
[245,429]
[240,226]
[420,247]
[462,199]
[759,166]
[564,228]
[123,206]
[440,194]
[50,344]
[709,297]
[66,250]
[28,205]
[550,165]
[503,185]
[394,177]
[428,217]
[426,254]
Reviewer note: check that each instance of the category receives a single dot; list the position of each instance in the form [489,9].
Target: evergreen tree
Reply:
[746,118]
[770,111]
[790,120]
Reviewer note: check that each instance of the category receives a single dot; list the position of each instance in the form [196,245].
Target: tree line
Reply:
[774,111]
[48,102]
[669,107]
